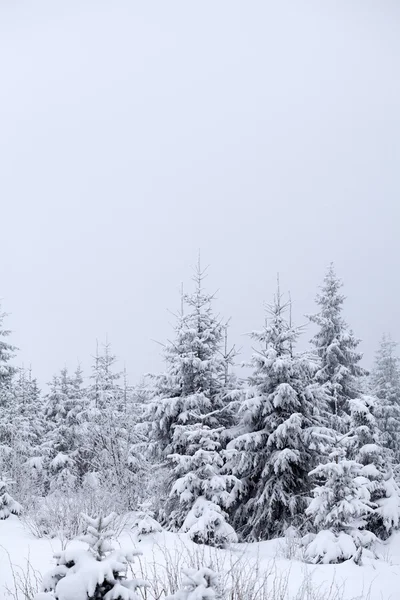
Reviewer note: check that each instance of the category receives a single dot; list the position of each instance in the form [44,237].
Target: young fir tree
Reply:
[385,385]
[198,584]
[273,454]
[114,446]
[201,489]
[8,506]
[340,507]
[145,523]
[23,426]
[191,396]
[105,392]
[336,347]
[63,445]
[6,354]
[7,398]
[98,573]
[366,448]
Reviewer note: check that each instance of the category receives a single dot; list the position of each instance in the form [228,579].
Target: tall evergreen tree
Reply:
[192,396]
[193,384]
[273,454]
[336,348]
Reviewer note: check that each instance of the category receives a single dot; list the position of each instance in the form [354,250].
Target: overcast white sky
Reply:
[266,133]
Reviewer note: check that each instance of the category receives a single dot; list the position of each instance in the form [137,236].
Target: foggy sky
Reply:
[134,133]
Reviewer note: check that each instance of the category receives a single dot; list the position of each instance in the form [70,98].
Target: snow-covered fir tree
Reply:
[63,445]
[198,584]
[336,348]
[8,506]
[7,372]
[202,490]
[98,573]
[145,523]
[191,402]
[385,385]
[367,449]
[273,453]
[22,427]
[113,440]
[105,390]
[340,508]
[6,354]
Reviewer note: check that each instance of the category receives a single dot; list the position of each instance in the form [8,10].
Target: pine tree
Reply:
[385,385]
[8,506]
[98,573]
[273,453]
[336,348]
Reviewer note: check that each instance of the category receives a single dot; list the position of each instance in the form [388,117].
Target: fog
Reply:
[133,134]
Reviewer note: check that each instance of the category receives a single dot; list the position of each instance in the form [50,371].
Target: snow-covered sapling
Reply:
[339,511]
[206,524]
[98,573]
[198,584]
[8,506]
[145,523]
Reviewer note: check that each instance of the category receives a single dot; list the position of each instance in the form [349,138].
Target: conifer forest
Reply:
[199,330]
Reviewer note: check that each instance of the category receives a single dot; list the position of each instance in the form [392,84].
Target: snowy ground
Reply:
[378,580]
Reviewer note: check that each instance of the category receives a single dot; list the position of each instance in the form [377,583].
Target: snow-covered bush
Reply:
[60,514]
[198,584]
[145,523]
[8,506]
[98,573]
[206,524]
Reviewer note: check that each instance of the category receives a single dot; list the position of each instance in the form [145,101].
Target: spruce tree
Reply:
[98,573]
[198,584]
[336,348]
[273,453]
[6,354]
[63,447]
[193,384]
[201,490]
[191,402]
[341,505]
[385,385]
[367,449]
[8,506]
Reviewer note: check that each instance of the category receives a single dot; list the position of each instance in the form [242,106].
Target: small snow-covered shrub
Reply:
[145,523]
[8,506]
[198,584]
[328,547]
[206,524]
[98,573]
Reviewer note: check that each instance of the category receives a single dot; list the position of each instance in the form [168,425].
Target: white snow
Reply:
[375,580]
